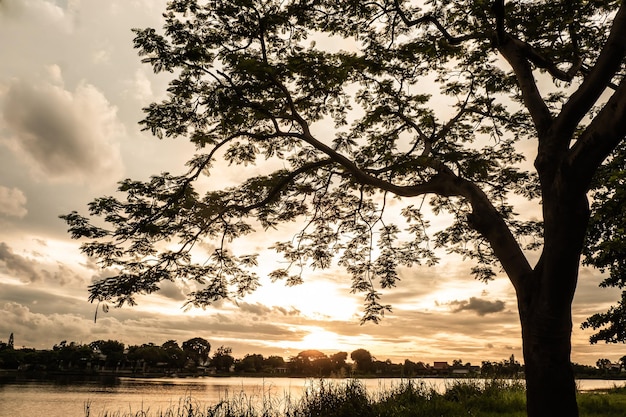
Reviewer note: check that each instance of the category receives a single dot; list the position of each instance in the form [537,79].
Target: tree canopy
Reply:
[362,118]
[606,244]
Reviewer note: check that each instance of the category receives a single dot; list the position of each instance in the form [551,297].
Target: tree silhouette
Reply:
[222,359]
[363,360]
[606,244]
[430,100]
[198,350]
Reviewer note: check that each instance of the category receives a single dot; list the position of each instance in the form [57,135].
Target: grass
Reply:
[468,398]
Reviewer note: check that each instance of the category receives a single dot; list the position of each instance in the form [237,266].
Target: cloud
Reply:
[64,135]
[140,88]
[12,202]
[28,326]
[172,291]
[18,266]
[40,11]
[480,306]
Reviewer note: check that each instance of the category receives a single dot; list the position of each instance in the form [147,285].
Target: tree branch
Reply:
[598,79]
[600,138]
[515,52]
[452,40]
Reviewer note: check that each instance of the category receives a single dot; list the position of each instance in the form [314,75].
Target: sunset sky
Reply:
[71,92]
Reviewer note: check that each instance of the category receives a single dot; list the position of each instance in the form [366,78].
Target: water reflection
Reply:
[66,397]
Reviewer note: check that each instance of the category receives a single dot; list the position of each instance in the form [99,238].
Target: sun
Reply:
[321,339]
[317,339]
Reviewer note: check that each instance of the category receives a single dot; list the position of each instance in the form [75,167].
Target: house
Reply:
[440,368]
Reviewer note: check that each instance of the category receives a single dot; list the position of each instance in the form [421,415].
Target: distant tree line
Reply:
[192,357]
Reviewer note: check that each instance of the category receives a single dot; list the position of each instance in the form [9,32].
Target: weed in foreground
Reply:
[409,398]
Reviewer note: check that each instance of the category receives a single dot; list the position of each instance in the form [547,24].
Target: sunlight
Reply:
[322,339]
[317,338]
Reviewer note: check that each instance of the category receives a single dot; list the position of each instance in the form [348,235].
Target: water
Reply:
[50,399]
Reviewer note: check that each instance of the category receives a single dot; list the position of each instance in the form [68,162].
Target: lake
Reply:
[69,399]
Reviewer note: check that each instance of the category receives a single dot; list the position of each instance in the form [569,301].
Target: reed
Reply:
[467,398]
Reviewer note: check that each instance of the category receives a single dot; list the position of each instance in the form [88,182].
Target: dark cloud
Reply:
[478,305]
[172,291]
[17,266]
[12,202]
[64,135]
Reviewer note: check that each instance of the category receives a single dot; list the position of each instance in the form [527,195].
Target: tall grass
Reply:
[467,398]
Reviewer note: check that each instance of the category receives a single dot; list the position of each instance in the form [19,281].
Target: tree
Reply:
[198,350]
[604,365]
[606,244]
[338,361]
[112,349]
[309,362]
[249,88]
[250,363]
[176,357]
[274,362]
[148,354]
[222,359]
[363,360]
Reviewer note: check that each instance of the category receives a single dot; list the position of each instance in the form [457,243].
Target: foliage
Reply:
[606,244]
[426,110]
[315,363]
[363,359]
[198,349]
[250,88]
[222,359]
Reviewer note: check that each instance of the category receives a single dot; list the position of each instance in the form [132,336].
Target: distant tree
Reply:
[250,363]
[603,364]
[585,370]
[312,354]
[198,350]
[433,99]
[12,358]
[411,368]
[386,367]
[363,360]
[148,353]
[321,366]
[67,356]
[222,359]
[487,368]
[338,361]
[303,362]
[112,349]
[176,357]
[273,362]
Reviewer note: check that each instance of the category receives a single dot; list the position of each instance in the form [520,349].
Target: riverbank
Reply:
[484,398]
[116,397]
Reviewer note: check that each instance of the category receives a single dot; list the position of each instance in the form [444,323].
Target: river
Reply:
[69,399]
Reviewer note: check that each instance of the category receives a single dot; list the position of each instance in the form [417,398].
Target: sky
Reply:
[71,92]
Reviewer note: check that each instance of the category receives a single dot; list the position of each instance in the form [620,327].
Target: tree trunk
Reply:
[545,305]
[550,385]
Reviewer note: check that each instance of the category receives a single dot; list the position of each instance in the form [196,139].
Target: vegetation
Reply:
[435,100]
[150,359]
[492,398]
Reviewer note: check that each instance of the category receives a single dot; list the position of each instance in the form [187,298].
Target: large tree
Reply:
[345,105]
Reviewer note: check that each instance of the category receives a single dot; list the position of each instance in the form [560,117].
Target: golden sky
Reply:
[71,93]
